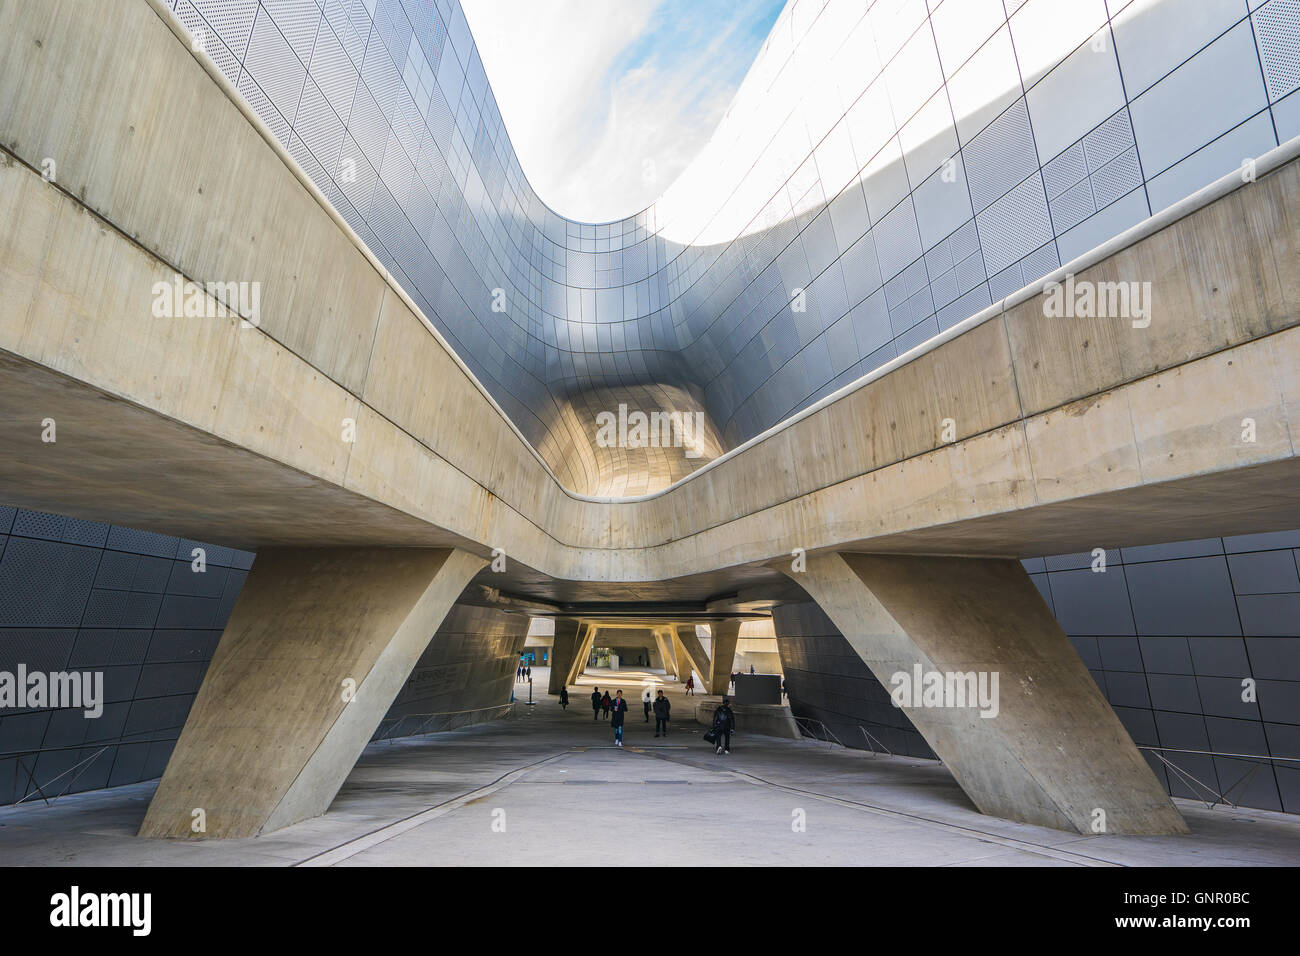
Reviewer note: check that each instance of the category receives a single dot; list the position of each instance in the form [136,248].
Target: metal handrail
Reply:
[827,737]
[1220,797]
[873,740]
[103,745]
[425,720]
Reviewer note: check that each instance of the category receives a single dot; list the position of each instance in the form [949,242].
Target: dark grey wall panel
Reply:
[81,596]
[150,624]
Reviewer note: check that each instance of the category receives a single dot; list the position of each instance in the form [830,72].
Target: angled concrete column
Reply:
[564,652]
[667,654]
[318,646]
[655,657]
[725,635]
[1051,752]
[584,651]
[690,648]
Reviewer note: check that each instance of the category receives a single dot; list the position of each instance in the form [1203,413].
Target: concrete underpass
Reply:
[566,796]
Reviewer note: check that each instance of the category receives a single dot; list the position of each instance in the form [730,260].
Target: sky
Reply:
[606,101]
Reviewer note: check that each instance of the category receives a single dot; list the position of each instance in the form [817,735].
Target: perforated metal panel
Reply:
[1277,32]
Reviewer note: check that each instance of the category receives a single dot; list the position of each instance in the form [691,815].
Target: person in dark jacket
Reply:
[724,722]
[595,704]
[619,706]
[662,707]
[604,704]
[564,698]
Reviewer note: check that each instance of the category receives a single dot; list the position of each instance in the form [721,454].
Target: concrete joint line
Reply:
[984,836]
[362,843]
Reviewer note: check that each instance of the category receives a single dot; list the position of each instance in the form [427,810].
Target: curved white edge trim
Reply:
[1230,182]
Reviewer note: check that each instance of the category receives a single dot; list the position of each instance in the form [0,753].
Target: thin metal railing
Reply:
[873,741]
[31,788]
[818,730]
[1193,782]
[446,720]
[826,735]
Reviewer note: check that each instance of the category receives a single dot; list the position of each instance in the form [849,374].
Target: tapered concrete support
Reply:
[690,648]
[725,635]
[1051,752]
[318,645]
[653,654]
[667,653]
[579,664]
[564,653]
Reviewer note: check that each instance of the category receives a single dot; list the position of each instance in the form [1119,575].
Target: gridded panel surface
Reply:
[442,200]
[81,596]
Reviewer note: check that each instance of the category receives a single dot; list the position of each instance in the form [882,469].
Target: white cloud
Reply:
[607,102]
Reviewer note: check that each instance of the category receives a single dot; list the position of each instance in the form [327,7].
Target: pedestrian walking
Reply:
[662,708]
[604,704]
[645,703]
[690,685]
[724,722]
[595,704]
[564,698]
[619,706]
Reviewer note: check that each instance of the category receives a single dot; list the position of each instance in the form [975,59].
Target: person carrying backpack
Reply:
[619,706]
[595,704]
[724,722]
[662,708]
[604,704]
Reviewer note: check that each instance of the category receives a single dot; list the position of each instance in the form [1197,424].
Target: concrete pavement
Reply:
[566,796]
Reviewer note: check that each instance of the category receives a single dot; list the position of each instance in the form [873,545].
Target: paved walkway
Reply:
[549,788]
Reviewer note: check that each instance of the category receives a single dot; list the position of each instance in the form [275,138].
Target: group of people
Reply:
[614,709]
[606,705]
[523,673]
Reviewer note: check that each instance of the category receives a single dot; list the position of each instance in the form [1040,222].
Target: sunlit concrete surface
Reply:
[568,796]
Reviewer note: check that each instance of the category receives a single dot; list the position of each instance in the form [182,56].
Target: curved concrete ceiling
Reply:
[1036,403]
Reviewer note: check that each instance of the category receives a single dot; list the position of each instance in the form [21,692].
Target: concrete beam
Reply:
[1051,751]
[564,653]
[725,635]
[317,648]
